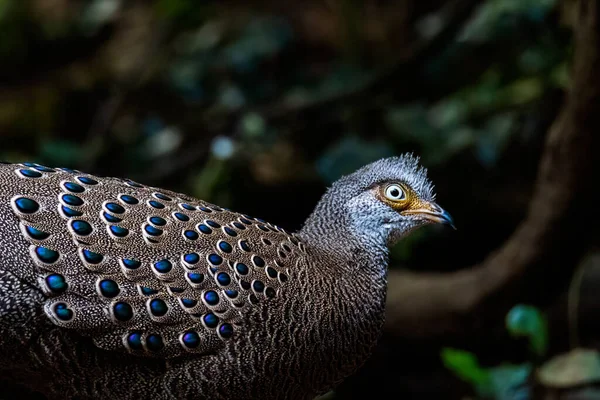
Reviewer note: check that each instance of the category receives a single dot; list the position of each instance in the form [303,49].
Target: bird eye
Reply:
[395,193]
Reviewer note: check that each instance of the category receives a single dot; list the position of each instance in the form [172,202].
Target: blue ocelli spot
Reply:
[92,257]
[189,303]
[215,259]
[225,247]
[226,331]
[46,255]
[191,258]
[63,312]
[152,231]
[190,339]
[109,288]
[69,212]
[130,263]
[30,173]
[205,209]
[258,286]
[146,291]
[242,269]
[56,283]
[204,229]
[158,307]
[239,225]
[74,187]
[115,208]
[161,196]
[232,294]
[129,199]
[188,207]
[122,311]
[156,204]
[223,278]
[270,292]
[211,297]
[212,223]
[119,231]
[158,221]
[81,228]
[258,261]
[72,200]
[87,181]
[211,320]
[190,235]
[36,234]
[111,219]
[195,277]
[230,231]
[26,206]
[163,266]
[182,217]
[271,272]
[154,342]
[134,340]
[244,245]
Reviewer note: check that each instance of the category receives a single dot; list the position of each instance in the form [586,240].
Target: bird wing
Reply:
[151,271]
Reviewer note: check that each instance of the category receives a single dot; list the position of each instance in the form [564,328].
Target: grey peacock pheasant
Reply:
[111,289]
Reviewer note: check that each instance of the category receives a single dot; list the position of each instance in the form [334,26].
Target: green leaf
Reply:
[528,321]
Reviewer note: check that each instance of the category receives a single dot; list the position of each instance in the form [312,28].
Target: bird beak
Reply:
[433,213]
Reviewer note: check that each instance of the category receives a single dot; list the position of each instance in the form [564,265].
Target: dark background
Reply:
[259,105]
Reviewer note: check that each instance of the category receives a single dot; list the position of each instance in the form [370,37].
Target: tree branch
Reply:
[549,241]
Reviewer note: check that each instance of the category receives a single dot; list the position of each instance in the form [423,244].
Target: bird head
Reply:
[384,201]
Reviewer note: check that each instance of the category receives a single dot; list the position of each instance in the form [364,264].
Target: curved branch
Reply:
[551,238]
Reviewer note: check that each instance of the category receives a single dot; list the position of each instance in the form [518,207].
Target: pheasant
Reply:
[112,289]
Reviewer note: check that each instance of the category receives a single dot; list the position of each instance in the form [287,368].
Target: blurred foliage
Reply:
[506,381]
[244,103]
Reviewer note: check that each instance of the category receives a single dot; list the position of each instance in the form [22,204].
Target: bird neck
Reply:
[332,230]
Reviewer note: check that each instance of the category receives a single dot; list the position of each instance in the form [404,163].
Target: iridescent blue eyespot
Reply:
[26,206]
[270,292]
[191,258]
[239,225]
[69,170]
[129,199]
[91,257]
[119,231]
[62,312]
[111,219]
[87,181]
[211,320]
[204,229]
[262,228]
[146,291]
[230,231]
[161,196]
[223,278]
[69,212]
[261,220]
[190,339]
[258,286]
[271,272]
[30,173]
[215,259]
[195,277]
[43,169]
[158,221]
[190,235]
[133,184]
[211,297]
[225,247]
[259,262]
[181,217]
[212,223]
[81,228]
[186,206]
[245,221]
[72,200]
[232,294]
[36,234]
[226,331]
[134,340]
[115,208]
[242,269]
[176,289]
[244,245]
[154,342]
[56,283]
[152,231]
[283,277]
[158,307]
[156,204]
[130,263]
[189,303]
[205,209]
[46,255]
[163,266]
[29,164]
[122,311]
[109,288]
[74,187]
[245,285]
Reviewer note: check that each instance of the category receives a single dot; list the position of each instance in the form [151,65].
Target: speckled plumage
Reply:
[111,289]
